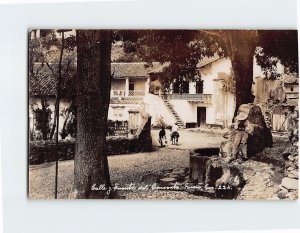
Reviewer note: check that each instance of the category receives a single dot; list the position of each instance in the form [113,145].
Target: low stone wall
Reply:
[45,151]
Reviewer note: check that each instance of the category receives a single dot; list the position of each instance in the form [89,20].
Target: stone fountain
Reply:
[220,168]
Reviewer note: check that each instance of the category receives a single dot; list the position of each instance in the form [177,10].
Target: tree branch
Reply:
[51,69]
[67,69]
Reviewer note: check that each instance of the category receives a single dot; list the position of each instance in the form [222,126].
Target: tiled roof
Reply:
[45,83]
[207,60]
[133,69]
[157,68]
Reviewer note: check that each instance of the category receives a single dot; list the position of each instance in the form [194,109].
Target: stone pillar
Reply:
[147,86]
[127,87]
[192,88]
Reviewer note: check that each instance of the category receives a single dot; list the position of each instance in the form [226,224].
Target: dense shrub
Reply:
[45,151]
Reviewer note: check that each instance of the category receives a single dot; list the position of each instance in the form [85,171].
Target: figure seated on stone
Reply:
[248,135]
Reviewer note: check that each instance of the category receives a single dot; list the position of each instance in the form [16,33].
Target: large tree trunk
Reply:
[242,46]
[93,95]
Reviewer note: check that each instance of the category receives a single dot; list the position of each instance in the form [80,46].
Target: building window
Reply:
[131,88]
[185,87]
[199,87]
[176,87]
[181,87]
[292,89]
[131,85]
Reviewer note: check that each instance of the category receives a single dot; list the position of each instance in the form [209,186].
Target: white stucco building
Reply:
[202,103]
[206,102]
[210,101]
[130,84]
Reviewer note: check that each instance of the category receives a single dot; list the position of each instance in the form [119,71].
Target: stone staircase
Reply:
[177,118]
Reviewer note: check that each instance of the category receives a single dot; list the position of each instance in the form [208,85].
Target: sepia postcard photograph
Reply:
[163,114]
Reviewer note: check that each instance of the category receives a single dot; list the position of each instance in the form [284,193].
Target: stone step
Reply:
[172,110]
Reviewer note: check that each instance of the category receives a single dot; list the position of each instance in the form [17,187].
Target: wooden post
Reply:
[57,108]
[127,87]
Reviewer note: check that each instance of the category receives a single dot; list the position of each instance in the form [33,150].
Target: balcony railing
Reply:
[122,93]
[136,93]
[117,93]
[202,98]
[130,97]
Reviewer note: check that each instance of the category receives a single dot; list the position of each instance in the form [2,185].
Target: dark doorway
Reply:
[201,116]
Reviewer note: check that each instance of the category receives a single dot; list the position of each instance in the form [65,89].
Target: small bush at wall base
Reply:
[45,151]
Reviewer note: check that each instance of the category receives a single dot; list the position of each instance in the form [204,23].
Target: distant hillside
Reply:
[118,54]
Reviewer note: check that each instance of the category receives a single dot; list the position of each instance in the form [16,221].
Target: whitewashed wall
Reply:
[120,111]
[185,110]
[157,109]
[210,72]
[221,110]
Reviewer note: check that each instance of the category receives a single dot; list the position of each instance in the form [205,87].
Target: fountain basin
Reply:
[198,160]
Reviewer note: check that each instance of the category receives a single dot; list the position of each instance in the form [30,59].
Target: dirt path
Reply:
[190,139]
[124,169]
[262,178]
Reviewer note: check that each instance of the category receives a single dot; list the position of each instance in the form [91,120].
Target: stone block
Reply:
[289,183]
